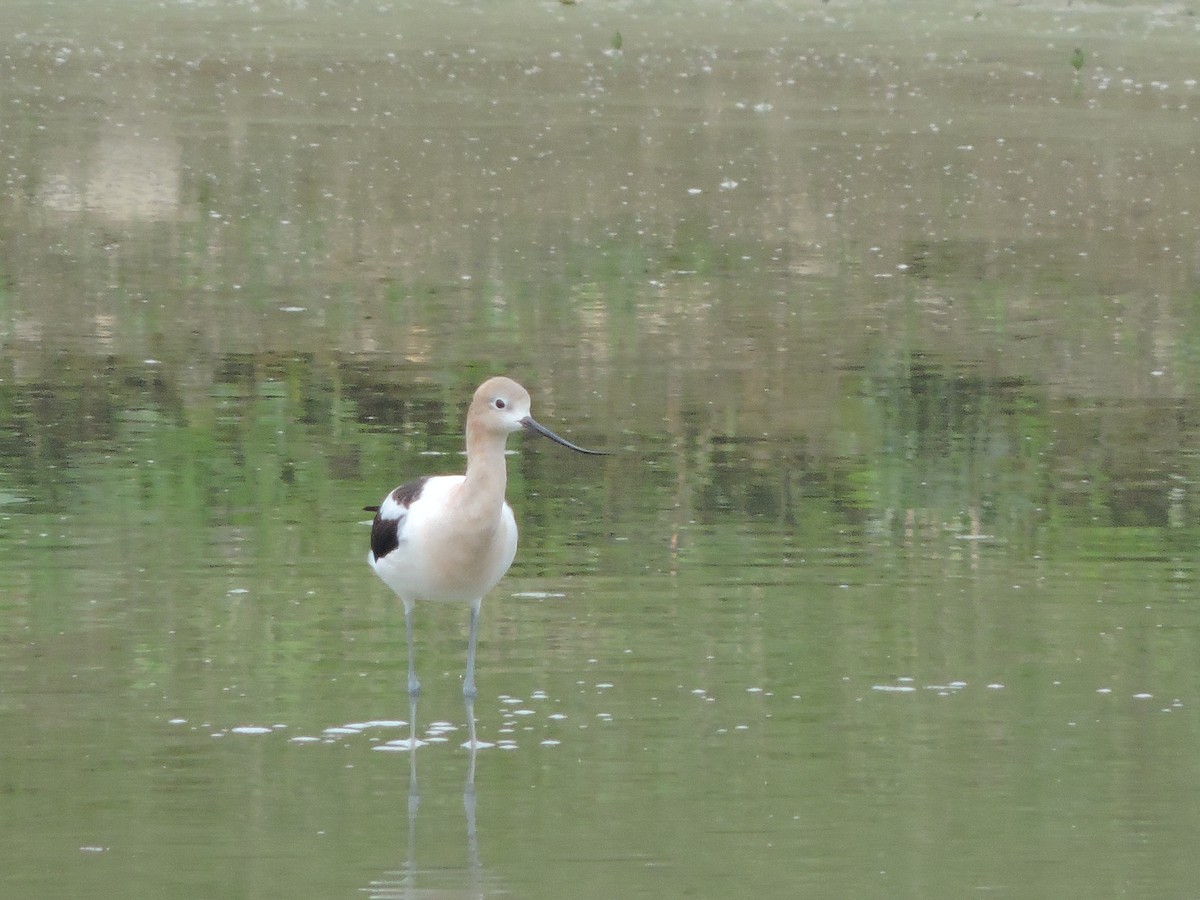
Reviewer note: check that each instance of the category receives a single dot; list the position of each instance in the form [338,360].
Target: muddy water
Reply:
[889,313]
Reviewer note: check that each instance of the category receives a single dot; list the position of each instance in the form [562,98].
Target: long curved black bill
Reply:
[531,425]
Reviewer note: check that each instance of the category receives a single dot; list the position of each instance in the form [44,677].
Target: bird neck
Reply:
[487,474]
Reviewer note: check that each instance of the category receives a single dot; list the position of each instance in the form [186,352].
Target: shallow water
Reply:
[889,313]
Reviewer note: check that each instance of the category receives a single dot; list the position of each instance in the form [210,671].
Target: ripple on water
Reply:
[514,716]
[399,745]
[251,729]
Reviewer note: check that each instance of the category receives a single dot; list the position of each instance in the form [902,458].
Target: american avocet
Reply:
[450,538]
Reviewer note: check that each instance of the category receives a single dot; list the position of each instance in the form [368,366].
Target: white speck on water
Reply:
[550,742]
[695,191]
[292,309]
[237,591]
[304,739]
[341,729]
[893,688]
[728,184]
[1143,696]
[91,849]
[754,690]
[249,729]
[557,716]
[995,686]
[177,721]
[603,685]
[538,595]
[399,745]
[945,690]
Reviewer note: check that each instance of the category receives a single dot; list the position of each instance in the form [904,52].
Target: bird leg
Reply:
[414,686]
[469,690]
[472,746]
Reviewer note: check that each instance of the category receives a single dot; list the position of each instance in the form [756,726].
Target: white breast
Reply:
[438,555]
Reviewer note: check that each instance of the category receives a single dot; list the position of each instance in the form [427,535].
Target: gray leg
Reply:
[413,742]
[469,691]
[472,745]
[414,686]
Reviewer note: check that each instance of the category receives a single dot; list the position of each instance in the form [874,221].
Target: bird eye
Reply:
[499,403]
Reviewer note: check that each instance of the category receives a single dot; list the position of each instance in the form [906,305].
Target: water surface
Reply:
[889,313]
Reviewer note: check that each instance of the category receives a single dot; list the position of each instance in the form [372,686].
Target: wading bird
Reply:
[450,538]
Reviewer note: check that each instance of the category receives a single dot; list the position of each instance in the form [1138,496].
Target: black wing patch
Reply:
[407,493]
[385,536]
[385,532]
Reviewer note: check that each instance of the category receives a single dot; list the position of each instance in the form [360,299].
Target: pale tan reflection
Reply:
[124,177]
